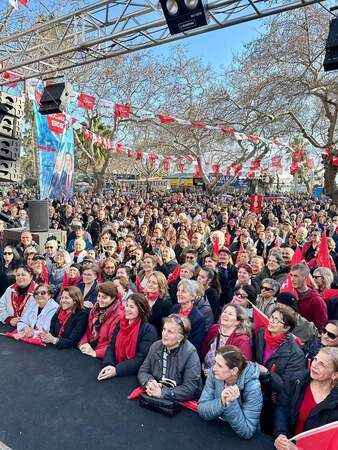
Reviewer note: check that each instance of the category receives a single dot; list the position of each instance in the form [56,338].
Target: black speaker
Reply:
[53,98]
[9,126]
[9,171]
[11,105]
[331,55]
[9,149]
[183,15]
[38,215]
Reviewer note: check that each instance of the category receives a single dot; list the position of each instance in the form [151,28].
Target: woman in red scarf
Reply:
[69,322]
[279,357]
[15,298]
[130,341]
[41,274]
[103,318]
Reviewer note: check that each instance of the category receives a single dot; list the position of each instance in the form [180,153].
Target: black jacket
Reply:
[160,309]
[146,337]
[74,330]
[287,409]
[198,329]
[227,278]
[287,363]
[91,295]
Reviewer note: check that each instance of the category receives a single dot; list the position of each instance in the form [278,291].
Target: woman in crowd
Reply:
[185,271]
[233,329]
[209,280]
[233,392]
[323,277]
[187,293]
[88,286]
[8,264]
[310,401]
[102,320]
[203,306]
[168,260]
[266,300]
[108,269]
[79,252]
[123,288]
[275,267]
[172,358]
[329,338]
[148,268]
[72,276]
[38,312]
[58,270]
[156,291]
[227,274]
[40,271]
[14,300]
[245,295]
[280,358]
[131,340]
[69,322]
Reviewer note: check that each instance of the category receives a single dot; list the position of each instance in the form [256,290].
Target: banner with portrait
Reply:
[55,145]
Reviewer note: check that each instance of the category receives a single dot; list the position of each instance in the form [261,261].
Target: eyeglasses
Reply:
[266,288]
[40,292]
[329,334]
[49,246]
[8,253]
[274,319]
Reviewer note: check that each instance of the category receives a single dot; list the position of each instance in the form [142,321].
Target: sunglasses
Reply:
[243,296]
[8,253]
[49,246]
[317,276]
[40,292]
[329,334]
[266,288]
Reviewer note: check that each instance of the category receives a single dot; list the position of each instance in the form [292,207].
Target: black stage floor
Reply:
[50,399]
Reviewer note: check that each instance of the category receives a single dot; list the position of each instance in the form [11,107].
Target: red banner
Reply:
[122,111]
[86,101]
[56,123]
[165,119]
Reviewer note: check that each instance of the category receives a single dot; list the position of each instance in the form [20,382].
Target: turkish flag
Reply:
[56,123]
[198,171]
[198,125]
[276,162]
[165,119]
[323,254]
[229,131]
[12,78]
[119,148]
[260,320]
[216,169]
[122,111]
[86,101]
[294,168]
[323,438]
[255,164]
[256,203]
[166,165]
[181,167]
[287,286]
[138,155]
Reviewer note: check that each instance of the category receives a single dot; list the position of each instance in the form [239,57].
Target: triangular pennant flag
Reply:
[297,257]
[323,438]
[260,320]
[165,119]
[323,254]
[86,101]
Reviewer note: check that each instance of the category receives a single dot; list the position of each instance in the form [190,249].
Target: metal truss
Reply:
[104,29]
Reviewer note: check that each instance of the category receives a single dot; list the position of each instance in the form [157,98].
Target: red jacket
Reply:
[238,338]
[312,307]
[106,330]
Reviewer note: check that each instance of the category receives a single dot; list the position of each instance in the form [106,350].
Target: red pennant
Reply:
[297,155]
[254,138]
[122,111]
[166,165]
[138,155]
[260,320]
[88,135]
[198,125]
[215,247]
[130,153]
[165,119]
[297,257]
[236,169]
[255,164]
[294,168]
[181,167]
[323,254]
[12,77]
[251,174]
[335,161]
[198,171]
[216,169]
[323,438]
[86,101]
[56,123]
[119,148]
[229,131]
[256,203]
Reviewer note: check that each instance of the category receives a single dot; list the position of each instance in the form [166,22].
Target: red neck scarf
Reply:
[152,297]
[185,313]
[126,340]
[98,316]
[274,341]
[63,317]
[19,299]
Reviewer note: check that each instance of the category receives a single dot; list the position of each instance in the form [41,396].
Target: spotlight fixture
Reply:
[184,15]
[331,54]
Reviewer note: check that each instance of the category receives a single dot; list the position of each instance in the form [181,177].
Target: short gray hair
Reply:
[273,284]
[191,286]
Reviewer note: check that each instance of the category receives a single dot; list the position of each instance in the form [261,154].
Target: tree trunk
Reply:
[330,184]
[99,183]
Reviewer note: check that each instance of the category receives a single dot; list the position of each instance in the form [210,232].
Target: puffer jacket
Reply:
[204,308]
[242,414]
[183,367]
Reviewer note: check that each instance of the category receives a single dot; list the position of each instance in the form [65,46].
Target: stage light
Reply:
[331,54]
[184,15]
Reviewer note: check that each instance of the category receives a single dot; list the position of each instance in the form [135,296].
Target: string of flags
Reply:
[17,3]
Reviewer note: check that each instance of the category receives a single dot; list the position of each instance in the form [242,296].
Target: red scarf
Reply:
[67,281]
[19,300]
[152,297]
[126,340]
[185,313]
[98,316]
[63,317]
[273,342]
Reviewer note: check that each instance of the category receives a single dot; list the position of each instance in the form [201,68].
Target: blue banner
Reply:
[55,142]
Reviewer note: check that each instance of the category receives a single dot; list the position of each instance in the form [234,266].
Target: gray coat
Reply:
[241,414]
[183,366]
[31,318]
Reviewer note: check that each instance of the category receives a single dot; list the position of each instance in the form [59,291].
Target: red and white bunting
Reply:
[86,101]
[122,111]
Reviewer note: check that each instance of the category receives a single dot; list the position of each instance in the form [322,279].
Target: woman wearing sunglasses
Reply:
[329,338]
[309,401]
[39,311]
[266,300]
[172,368]
[279,357]
[8,262]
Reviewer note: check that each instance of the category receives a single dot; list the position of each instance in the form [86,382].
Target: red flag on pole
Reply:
[287,286]
[297,257]
[215,247]
[260,320]
[323,254]
[323,438]
[165,119]
[122,111]
[86,101]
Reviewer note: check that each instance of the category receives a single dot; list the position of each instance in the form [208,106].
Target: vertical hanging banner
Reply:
[55,143]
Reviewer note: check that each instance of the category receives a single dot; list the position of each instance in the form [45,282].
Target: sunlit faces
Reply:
[8,254]
[330,335]
[287,254]
[185,272]
[210,263]
[297,279]
[171,334]
[322,368]
[228,318]
[203,278]
[148,264]
[79,245]
[88,276]
[223,258]
[66,301]
[22,277]
[26,238]
[266,291]
[276,324]
[222,371]
[272,264]
[41,296]
[243,276]
[104,300]
[131,310]
[152,285]
[184,297]
[240,298]
[74,272]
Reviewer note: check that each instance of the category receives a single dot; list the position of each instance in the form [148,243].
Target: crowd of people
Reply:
[197,295]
